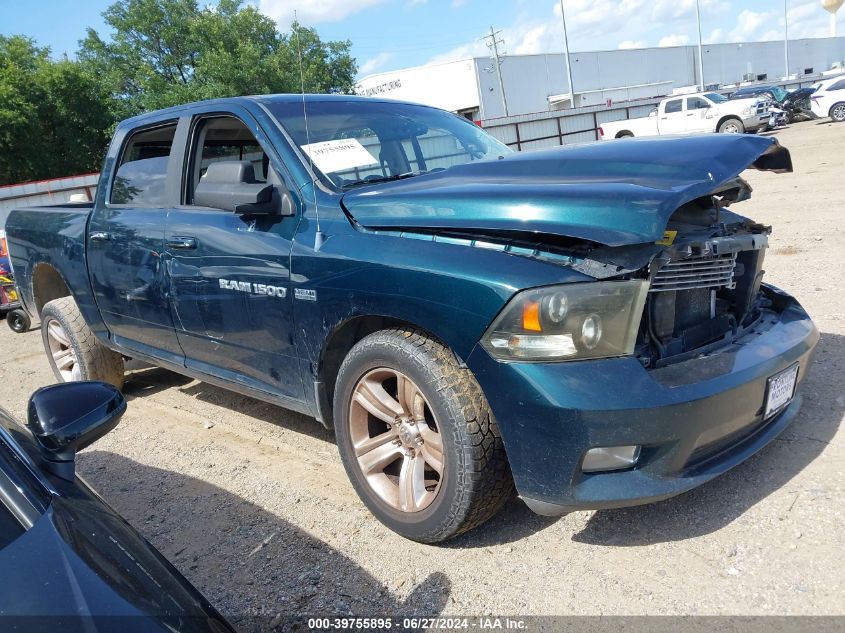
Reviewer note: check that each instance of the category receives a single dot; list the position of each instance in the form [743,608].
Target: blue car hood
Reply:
[614,193]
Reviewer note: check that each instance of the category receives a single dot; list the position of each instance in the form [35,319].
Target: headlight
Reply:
[571,322]
[750,110]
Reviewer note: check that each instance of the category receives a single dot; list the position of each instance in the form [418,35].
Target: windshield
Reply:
[778,93]
[354,143]
[715,97]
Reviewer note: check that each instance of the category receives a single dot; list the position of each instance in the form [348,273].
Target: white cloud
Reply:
[607,24]
[675,39]
[311,11]
[374,63]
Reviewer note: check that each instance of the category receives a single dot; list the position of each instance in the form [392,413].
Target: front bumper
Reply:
[756,121]
[694,420]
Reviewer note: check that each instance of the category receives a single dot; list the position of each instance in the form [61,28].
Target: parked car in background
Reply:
[460,314]
[694,114]
[797,104]
[829,99]
[68,562]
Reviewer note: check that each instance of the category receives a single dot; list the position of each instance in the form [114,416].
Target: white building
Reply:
[537,83]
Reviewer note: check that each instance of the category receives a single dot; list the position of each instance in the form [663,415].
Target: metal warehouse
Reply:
[537,83]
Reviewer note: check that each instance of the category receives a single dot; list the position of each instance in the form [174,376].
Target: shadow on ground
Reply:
[251,564]
[148,381]
[718,503]
[701,511]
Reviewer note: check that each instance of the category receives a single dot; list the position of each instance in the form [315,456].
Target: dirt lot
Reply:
[252,504]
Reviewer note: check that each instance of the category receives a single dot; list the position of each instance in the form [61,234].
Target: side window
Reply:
[839,85]
[224,138]
[141,175]
[674,106]
[697,103]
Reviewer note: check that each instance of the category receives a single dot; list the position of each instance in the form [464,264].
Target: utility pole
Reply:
[785,42]
[566,55]
[700,52]
[494,46]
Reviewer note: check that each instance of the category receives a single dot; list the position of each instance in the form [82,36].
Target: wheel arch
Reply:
[337,345]
[727,117]
[48,284]
[624,134]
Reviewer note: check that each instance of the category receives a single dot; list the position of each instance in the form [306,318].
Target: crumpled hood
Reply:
[613,193]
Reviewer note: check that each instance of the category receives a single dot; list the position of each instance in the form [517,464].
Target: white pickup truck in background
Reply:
[694,114]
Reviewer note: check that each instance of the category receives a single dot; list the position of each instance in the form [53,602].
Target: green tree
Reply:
[55,117]
[166,52]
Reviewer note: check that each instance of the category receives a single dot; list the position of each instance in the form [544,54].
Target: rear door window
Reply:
[674,106]
[141,176]
[839,85]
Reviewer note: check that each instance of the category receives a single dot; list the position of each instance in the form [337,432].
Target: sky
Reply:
[392,34]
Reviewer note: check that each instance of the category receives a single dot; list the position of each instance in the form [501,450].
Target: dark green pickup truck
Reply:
[588,325]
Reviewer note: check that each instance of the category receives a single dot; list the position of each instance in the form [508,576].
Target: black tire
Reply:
[476,479]
[18,321]
[92,359]
[837,112]
[731,126]
[625,135]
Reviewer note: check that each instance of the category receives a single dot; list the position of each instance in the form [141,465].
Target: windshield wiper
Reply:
[371,180]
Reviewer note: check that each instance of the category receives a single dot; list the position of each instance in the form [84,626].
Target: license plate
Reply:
[780,389]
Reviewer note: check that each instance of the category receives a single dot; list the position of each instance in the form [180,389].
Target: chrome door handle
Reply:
[99,236]
[182,242]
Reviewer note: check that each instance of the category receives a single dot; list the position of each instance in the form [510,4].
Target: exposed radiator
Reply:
[704,271]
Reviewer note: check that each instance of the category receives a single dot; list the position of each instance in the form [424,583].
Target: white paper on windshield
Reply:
[339,155]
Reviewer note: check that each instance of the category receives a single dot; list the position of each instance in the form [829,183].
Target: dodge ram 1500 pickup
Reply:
[588,325]
[694,114]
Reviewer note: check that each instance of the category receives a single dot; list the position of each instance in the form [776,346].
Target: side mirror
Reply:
[230,185]
[66,418]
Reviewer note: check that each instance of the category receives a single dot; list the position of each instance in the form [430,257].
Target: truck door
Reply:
[672,119]
[696,113]
[125,242]
[230,274]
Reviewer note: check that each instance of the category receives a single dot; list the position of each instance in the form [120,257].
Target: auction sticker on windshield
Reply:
[780,390]
[339,155]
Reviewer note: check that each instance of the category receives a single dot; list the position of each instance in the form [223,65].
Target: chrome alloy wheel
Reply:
[396,440]
[838,113]
[731,128]
[62,351]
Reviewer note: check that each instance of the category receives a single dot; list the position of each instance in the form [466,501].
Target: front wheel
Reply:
[417,437]
[74,353]
[837,112]
[731,126]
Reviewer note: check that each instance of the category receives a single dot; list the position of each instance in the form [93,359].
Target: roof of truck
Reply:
[261,99]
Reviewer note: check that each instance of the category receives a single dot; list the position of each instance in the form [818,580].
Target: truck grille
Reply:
[703,271]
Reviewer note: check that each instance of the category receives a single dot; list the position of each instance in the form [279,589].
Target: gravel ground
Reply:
[251,502]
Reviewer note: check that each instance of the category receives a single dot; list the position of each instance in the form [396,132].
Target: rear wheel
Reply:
[837,112]
[731,126]
[18,321]
[72,349]
[417,437]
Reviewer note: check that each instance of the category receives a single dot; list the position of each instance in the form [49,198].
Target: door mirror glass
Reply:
[66,418]
[230,185]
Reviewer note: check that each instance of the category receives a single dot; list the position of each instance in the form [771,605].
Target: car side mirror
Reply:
[66,418]
[230,185]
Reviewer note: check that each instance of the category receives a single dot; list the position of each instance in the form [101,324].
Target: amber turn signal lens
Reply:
[531,317]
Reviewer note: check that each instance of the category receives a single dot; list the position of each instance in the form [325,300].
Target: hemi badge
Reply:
[304,294]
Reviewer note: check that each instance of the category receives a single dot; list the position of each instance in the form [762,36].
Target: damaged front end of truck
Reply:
[615,213]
